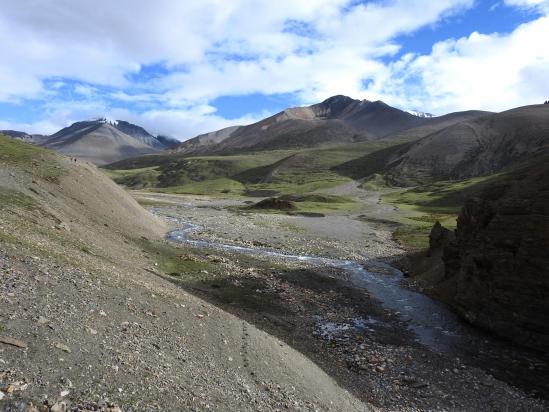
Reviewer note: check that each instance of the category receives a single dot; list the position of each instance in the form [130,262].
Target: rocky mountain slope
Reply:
[102,142]
[493,270]
[87,321]
[339,119]
[479,147]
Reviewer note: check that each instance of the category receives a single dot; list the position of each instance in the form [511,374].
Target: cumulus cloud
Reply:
[492,72]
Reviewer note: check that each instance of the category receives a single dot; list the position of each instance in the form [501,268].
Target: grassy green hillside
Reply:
[295,174]
[32,159]
[265,172]
[440,201]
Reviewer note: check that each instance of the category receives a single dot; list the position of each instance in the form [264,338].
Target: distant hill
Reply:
[339,119]
[24,137]
[101,141]
[206,140]
[481,146]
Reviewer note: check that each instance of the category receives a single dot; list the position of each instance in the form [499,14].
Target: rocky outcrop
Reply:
[274,203]
[497,268]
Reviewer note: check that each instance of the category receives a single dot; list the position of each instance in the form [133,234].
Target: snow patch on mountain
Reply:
[421,114]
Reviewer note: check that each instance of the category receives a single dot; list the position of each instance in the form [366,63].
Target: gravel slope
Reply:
[85,324]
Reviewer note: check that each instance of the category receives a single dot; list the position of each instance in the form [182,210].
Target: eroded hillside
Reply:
[87,321]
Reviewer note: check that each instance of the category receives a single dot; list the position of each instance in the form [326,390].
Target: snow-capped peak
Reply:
[106,120]
[420,114]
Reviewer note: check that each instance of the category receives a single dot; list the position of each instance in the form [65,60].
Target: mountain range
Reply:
[416,148]
[339,119]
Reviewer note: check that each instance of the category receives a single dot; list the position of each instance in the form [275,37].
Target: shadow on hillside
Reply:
[375,162]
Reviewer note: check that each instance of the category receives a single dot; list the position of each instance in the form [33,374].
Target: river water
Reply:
[433,324]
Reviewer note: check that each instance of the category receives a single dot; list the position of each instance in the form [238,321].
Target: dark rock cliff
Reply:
[496,270]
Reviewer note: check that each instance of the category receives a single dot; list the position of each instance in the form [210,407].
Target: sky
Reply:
[181,68]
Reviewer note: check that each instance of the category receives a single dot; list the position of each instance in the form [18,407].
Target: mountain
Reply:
[481,146]
[339,119]
[204,141]
[168,141]
[139,133]
[24,137]
[101,141]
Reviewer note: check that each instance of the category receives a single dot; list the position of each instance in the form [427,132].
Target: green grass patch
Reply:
[11,198]
[39,162]
[196,270]
[215,187]
[301,182]
[439,201]
[176,261]
[283,171]
[375,183]
[151,202]
[135,178]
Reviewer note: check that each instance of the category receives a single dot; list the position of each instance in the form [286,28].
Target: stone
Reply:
[59,407]
[63,347]
[12,342]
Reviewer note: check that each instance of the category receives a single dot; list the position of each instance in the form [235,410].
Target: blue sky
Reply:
[183,68]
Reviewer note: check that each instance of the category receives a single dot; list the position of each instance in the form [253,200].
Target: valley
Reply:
[327,275]
[274,206]
[255,265]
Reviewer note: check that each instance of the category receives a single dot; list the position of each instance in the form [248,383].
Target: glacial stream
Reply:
[434,325]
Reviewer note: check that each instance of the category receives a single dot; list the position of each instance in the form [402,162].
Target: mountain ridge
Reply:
[338,119]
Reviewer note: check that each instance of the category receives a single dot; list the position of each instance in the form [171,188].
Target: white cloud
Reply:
[39,127]
[529,4]
[100,42]
[492,72]
[180,123]
[184,123]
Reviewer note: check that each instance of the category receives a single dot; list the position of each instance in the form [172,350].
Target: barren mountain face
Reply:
[474,148]
[103,142]
[339,119]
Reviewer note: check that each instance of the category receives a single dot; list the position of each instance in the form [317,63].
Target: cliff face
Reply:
[497,267]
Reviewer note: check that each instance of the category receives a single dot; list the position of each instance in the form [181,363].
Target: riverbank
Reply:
[366,346]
